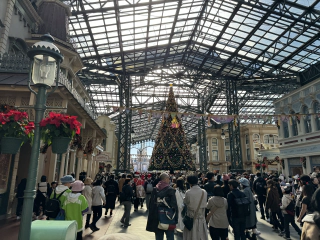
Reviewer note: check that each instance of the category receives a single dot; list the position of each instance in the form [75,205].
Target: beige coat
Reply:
[310,230]
[191,200]
[87,193]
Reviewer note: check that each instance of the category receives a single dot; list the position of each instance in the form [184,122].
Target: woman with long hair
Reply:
[306,207]
[180,193]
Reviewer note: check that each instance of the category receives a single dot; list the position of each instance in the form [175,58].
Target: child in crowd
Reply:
[75,206]
[288,210]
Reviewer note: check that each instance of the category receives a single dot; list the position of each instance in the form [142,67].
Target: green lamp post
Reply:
[45,66]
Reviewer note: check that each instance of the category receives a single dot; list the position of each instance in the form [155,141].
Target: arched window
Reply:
[285,129]
[294,124]
[266,139]
[214,142]
[306,119]
[275,139]
[247,139]
[256,138]
[316,110]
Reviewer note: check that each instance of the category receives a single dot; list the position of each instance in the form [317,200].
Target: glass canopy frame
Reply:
[196,45]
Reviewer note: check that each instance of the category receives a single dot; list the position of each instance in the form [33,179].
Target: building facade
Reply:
[299,131]
[22,23]
[257,141]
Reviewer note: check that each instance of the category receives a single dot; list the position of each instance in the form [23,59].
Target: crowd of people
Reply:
[196,206]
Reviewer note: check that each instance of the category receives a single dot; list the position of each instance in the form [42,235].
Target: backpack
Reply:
[149,187]
[122,197]
[260,188]
[111,190]
[290,209]
[243,206]
[53,206]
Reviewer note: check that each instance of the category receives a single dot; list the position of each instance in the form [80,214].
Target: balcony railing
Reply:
[21,64]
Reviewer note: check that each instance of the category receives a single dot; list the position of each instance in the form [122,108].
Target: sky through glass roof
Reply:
[196,45]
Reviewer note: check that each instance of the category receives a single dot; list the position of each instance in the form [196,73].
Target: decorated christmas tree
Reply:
[171,151]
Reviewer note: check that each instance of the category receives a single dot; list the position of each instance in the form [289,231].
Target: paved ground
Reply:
[9,228]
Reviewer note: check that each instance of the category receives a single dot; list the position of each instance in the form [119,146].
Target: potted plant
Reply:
[15,129]
[264,166]
[58,130]
[257,166]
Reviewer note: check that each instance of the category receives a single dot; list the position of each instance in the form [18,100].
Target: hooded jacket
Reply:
[219,206]
[311,227]
[169,194]
[98,196]
[59,189]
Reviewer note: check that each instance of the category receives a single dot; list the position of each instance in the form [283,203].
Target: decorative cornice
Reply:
[31,12]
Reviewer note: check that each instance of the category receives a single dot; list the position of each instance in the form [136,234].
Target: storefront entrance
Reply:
[295,170]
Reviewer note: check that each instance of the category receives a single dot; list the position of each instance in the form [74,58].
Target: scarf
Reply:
[161,185]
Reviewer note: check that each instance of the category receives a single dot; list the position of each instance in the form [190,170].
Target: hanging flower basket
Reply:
[58,130]
[60,144]
[257,166]
[15,129]
[264,166]
[10,145]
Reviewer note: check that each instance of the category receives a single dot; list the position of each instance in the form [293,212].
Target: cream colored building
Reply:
[255,139]
[300,138]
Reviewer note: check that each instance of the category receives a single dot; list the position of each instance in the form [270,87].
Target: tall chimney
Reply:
[55,15]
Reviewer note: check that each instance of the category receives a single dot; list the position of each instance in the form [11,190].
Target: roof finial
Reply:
[171,84]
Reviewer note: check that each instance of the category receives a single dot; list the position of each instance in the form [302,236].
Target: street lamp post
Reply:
[259,161]
[46,59]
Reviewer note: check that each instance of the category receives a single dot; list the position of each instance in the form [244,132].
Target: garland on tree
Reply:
[171,151]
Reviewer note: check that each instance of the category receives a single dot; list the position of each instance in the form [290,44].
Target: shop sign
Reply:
[305,150]
[102,157]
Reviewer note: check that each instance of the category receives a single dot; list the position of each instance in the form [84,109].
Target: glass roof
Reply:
[197,46]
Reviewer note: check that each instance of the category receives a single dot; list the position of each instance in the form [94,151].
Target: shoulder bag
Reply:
[188,221]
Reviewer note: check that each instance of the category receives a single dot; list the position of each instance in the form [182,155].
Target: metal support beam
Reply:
[234,128]
[124,130]
[202,141]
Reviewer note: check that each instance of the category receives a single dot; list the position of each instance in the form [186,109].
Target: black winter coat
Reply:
[170,195]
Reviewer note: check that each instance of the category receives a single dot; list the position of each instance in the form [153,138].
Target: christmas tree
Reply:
[171,151]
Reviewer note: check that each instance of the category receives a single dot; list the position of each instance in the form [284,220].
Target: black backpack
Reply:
[111,190]
[243,206]
[260,188]
[290,209]
[53,206]
[122,197]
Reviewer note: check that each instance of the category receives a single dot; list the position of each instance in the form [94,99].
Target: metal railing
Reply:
[20,63]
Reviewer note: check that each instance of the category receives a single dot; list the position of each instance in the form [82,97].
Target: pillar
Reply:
[52,167]
[308,169]
[66,170]
[93,170]
[290,129]
[79,164]
[286,170]
[40,166]
[313,121]
[72,162]
[62,166]
[89,165]
[7,23]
